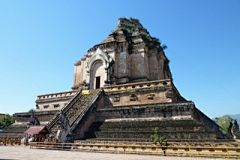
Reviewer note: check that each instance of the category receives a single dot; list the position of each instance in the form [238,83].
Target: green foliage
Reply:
[132,95]
[145,38]
[134,19]
[115,32]
[7,121]
[31,110]
[154,87]
[161,140]
[166,61]
[1,124]
[224,121]
[121,18]
[164,47]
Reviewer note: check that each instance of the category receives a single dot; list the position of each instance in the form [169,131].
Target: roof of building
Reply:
[37,130]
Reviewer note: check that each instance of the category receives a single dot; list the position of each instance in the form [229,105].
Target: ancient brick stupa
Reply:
[122,90]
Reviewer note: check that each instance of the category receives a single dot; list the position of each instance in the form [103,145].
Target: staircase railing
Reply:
[81,113]
[64,110]
[86,109]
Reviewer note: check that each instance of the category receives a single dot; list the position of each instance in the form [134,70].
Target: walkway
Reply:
[24,153]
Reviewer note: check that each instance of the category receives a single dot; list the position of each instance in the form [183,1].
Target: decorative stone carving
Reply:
[150,96]
[33,120]
[116,98]
[132,97]
[63,121]
[230,128]
[235,129]
[106,60]
[169,94]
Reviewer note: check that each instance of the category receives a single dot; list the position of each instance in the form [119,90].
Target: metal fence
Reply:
[10,140]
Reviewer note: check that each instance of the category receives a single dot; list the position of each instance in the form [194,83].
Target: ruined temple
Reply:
[122,90]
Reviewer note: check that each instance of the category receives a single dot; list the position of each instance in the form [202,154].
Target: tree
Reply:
[31,110]
[1,125]
[224,122]
[7,121]
[155,138]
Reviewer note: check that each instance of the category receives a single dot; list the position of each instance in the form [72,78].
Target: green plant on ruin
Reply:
[153,43]
[145,38]
[114,32]
[108,93]
[156,42]
[130,45]
[124,30]
[133,29]
[134,19]
[164,47]
[166,61]
[154,87]
[130,28]
[121,18]
[162,87]
[132,95]
[161,140]
[128,38]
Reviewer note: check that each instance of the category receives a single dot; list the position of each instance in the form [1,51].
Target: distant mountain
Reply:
[236,116]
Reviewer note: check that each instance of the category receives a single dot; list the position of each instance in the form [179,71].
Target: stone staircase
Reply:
[142,130]
[16,129]
[95,126]
[76,110]
[176,121]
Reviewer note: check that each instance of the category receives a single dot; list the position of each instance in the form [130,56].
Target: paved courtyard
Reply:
[24,153]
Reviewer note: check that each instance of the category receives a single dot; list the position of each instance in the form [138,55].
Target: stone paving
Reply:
[24,153]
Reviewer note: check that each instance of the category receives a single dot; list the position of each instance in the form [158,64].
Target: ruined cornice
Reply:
[78,63]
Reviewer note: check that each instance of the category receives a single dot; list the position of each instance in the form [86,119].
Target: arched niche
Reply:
[97,75]
[98,66]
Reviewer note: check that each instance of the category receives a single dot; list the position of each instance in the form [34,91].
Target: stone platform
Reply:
[176,121]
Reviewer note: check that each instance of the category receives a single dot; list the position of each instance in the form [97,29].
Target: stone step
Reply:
[76,111]
[167,129]
[171,125]
[148,141]
[168,135]
[160,123]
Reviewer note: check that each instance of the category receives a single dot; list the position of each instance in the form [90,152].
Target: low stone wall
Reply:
[43,116]
[169,110]
[53,101]
[150,149]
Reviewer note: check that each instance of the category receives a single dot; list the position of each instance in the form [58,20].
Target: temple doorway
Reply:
[97,75]
[97,82]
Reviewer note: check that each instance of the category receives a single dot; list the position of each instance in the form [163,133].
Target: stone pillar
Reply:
[106,77]
[87,80]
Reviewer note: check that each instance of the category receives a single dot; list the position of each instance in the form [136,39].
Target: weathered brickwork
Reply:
[134,56]
[131,93]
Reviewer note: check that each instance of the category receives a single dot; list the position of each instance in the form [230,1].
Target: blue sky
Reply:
[41,40]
